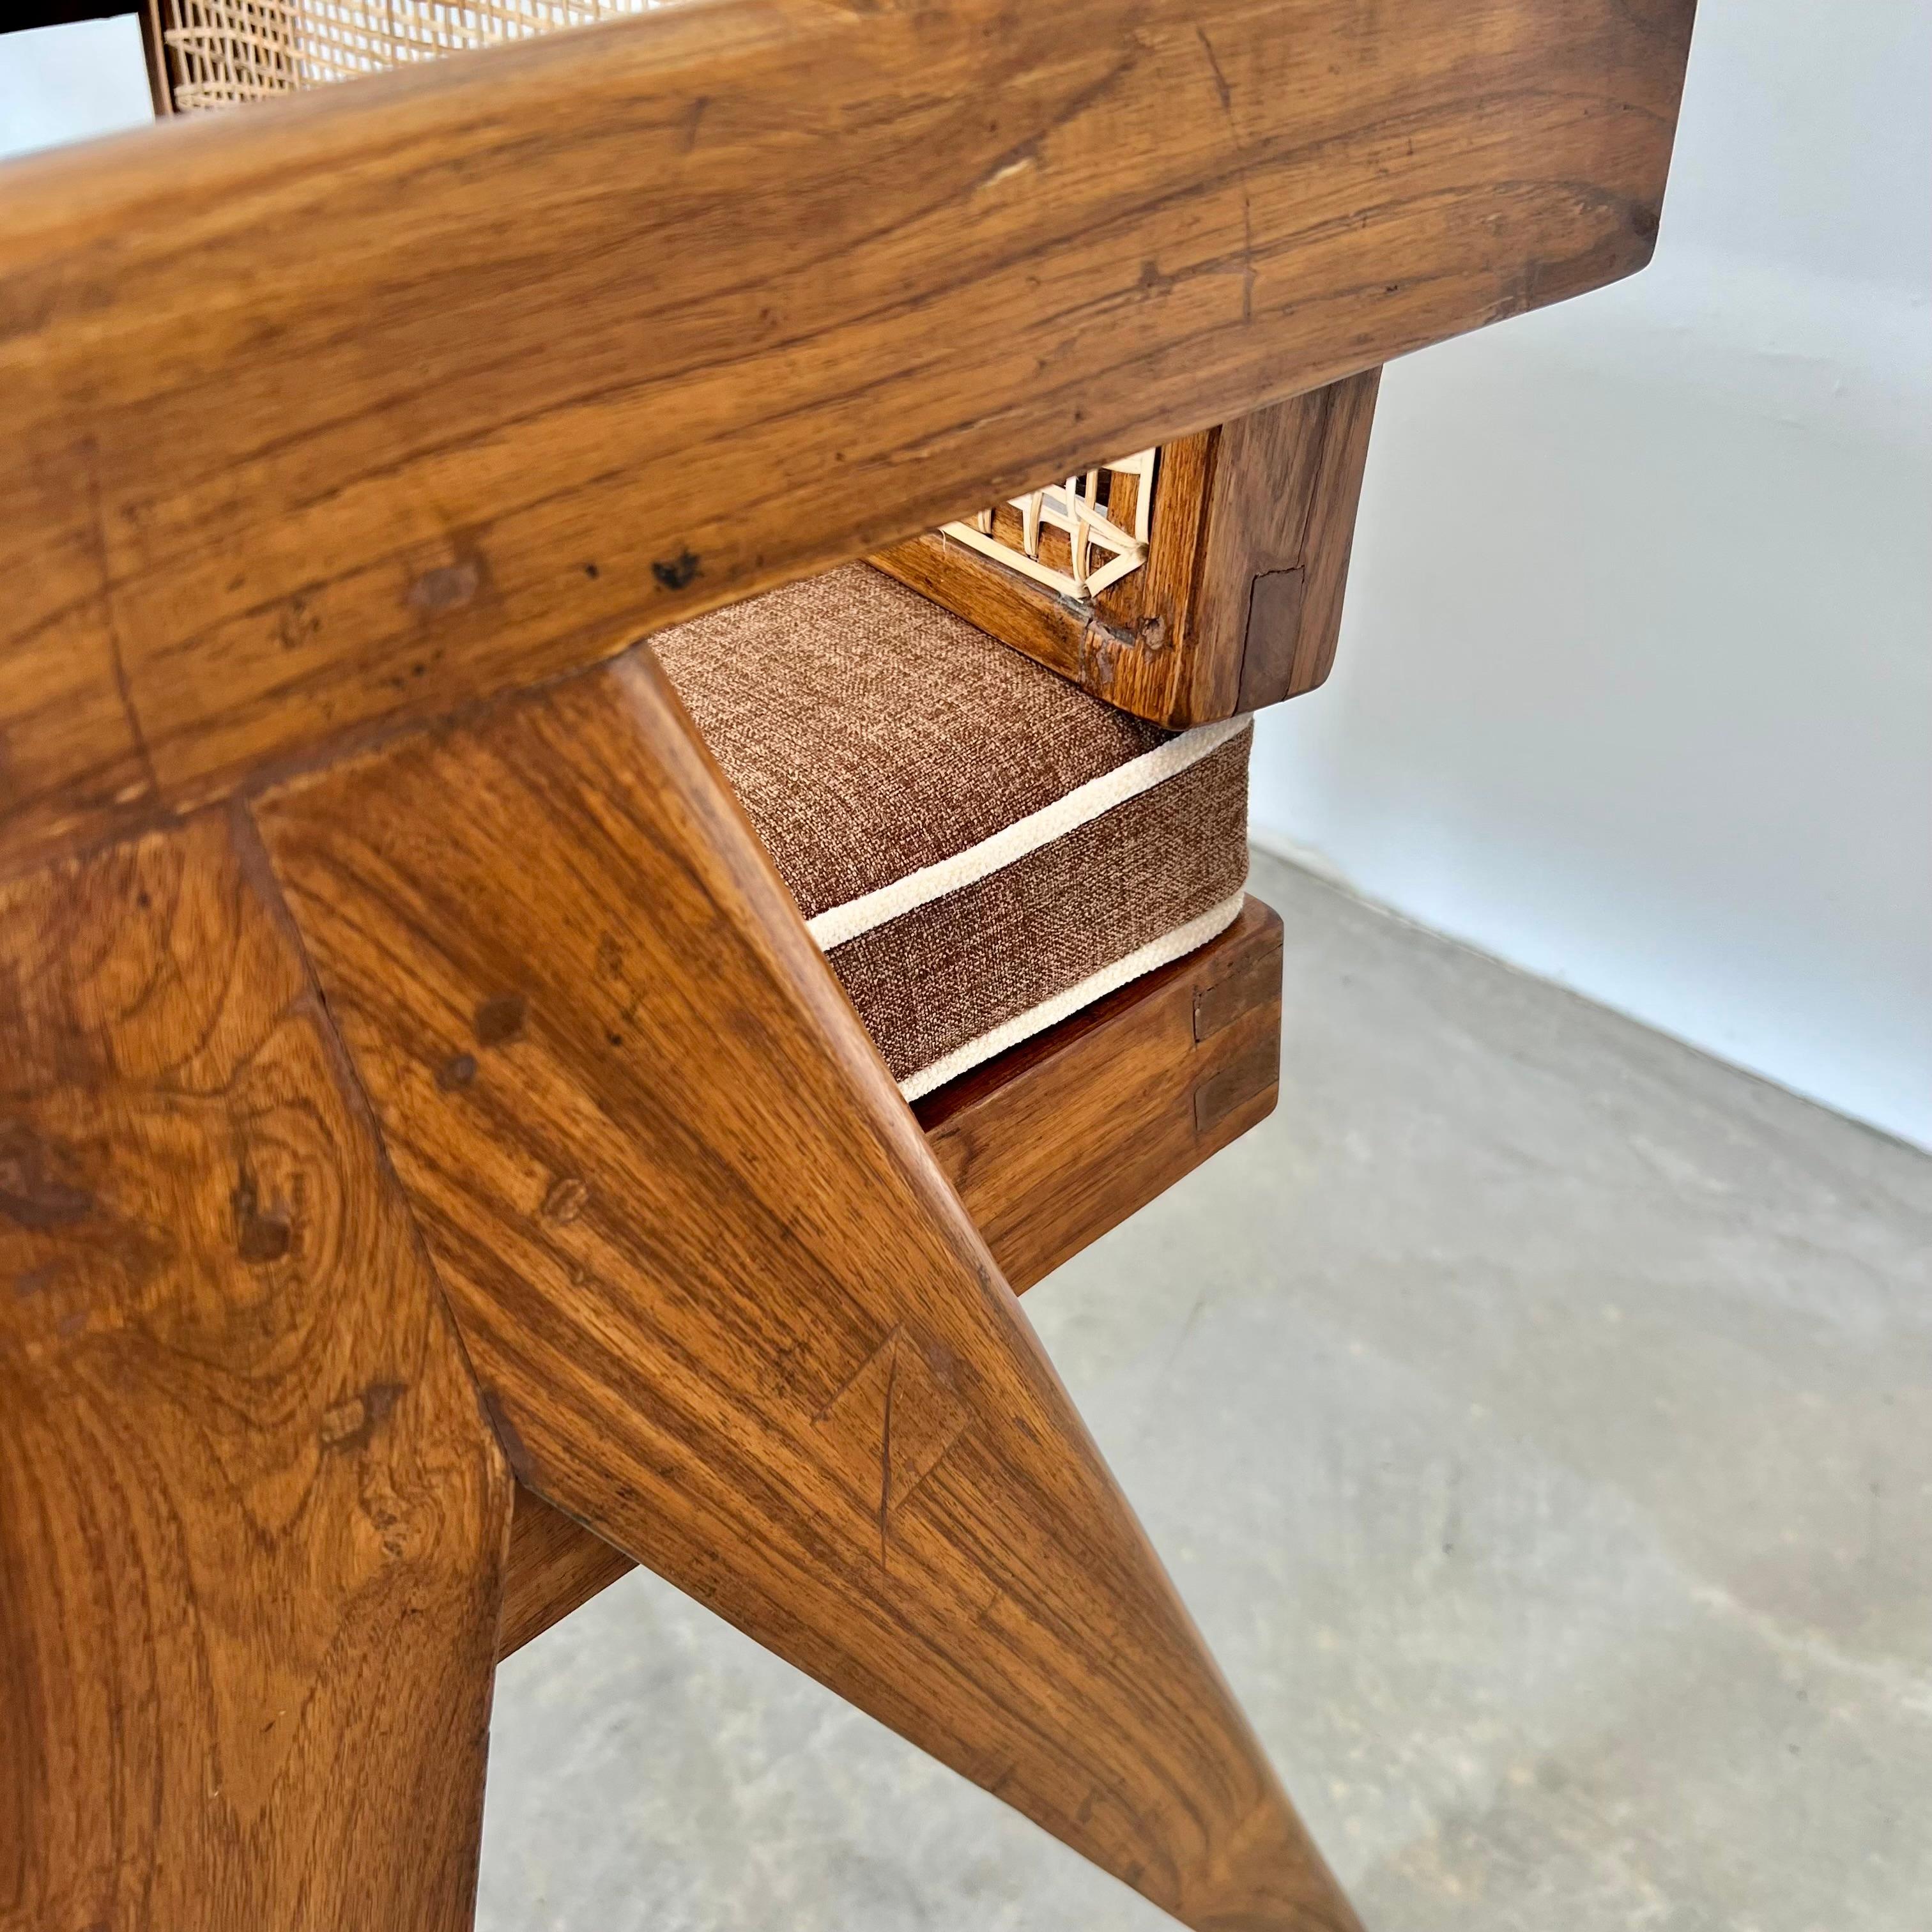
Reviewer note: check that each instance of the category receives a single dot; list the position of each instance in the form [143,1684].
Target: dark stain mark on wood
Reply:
[297,624]
[31,1194]
[262,1238]
[678,572]
[35,1280]
[265,1238]
[55,1206]
[261,1235]
[349,1425]
[448,587]
[457,1071]
[501,1019]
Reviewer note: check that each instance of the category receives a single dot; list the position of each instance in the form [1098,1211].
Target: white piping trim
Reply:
[1084,803]
[1197,931]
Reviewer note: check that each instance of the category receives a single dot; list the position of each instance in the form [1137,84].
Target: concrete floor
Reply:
[1537,1417]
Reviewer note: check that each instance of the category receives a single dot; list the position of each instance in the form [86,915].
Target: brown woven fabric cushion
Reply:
[980,846]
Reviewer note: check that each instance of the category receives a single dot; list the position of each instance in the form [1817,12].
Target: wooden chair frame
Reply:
[1239,603]
[401,1230]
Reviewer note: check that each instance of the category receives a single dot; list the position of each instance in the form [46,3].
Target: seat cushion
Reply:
[980,846]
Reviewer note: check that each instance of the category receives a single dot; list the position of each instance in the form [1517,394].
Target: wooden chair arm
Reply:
[363,405]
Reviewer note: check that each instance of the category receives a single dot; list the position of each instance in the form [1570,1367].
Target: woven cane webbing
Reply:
[225,52]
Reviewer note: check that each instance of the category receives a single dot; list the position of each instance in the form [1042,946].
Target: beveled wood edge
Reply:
[1231,988]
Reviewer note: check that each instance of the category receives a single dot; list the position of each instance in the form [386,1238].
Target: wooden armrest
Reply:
[366,404]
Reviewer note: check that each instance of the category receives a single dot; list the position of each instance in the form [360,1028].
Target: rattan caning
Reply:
[1100,552]
[222,52]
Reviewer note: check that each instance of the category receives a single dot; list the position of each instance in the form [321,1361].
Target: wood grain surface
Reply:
[1239,602]
[1048,1146]
[1285,661]
[722,1304]
[1274,562]
[555,1566]
[251,1518]
[354,407]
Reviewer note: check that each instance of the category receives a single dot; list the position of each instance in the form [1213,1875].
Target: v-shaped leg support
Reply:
[724,1308]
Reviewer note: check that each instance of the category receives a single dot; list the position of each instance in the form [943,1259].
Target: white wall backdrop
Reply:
[65,83]
[1635,685]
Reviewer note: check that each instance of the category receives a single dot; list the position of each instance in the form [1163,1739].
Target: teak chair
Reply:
[438,1167]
